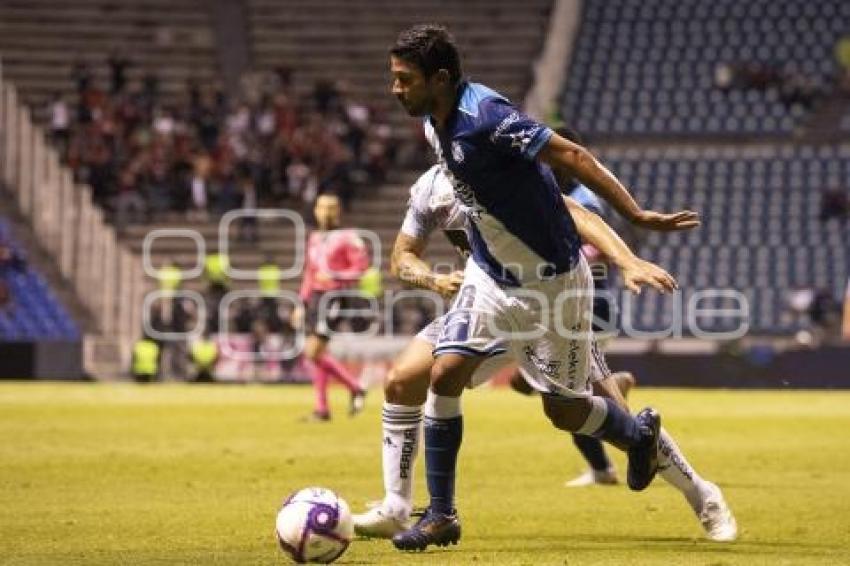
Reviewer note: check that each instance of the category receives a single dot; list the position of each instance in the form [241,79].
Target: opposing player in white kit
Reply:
[432,207]
[527,290]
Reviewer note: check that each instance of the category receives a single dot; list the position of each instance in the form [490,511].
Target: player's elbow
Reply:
[580,159]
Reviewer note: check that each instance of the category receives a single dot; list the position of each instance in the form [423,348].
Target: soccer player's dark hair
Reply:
[430,47]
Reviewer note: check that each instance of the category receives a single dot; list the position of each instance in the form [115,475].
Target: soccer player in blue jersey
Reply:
[526,259]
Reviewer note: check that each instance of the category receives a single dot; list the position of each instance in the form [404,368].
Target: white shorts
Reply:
[544,326]
[486,371]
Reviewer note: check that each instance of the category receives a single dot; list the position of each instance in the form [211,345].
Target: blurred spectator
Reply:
[325,95]
[118,64]
[200,177]
[409,317]
[825,314]
[169,276]
[216,266]
[208,154]
[204,355]
[834,204]
[82,75]
[11,260]
[145,363]
[131,207]
[793,87]
[268,277]
[60,122]
[243,320]
[248,225]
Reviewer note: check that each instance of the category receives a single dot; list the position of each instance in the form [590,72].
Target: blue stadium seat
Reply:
[34,313]
[639,63]
[761,232]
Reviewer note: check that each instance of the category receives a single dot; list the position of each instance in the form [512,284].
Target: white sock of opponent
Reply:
[675,469]
[402,426]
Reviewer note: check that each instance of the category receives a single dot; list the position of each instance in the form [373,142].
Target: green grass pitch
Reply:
[173,474]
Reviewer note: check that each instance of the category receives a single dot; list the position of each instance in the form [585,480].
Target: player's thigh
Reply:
[452,372]
[553,338]
[490,368]
[407,381]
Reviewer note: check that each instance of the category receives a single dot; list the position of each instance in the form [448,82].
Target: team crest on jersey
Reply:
[510,119]
[549,368]
[465,197]
[522,138]
[457,151]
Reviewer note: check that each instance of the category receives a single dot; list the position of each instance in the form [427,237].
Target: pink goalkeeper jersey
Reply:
[335,260]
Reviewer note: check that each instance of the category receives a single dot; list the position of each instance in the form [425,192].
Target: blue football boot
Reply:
[432,528]
[643,458]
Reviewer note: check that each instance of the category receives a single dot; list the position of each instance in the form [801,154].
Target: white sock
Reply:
[675,469]
[401,427]
[441,407]
[595,418]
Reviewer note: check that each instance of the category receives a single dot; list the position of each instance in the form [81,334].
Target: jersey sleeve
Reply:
[419,221]
[512,132]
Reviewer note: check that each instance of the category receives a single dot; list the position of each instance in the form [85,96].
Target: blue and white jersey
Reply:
[433,206]
[520,230]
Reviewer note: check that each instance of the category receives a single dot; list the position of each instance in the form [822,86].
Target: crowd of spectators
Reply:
[145,155]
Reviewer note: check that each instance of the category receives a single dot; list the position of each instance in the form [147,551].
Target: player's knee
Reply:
[405,387]
[447,376]
[565,414]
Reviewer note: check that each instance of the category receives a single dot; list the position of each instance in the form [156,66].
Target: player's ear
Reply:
[442,77]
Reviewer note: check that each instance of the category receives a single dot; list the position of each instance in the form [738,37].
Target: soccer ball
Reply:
[314,525]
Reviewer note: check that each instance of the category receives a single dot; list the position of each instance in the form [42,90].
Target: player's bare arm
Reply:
[636,271]
[407,264]
[564,155]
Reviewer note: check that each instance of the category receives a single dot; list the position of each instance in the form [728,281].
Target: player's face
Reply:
[410,86]
[327,212]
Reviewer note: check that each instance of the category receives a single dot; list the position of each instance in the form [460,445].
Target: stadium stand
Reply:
[343,40]
[28,308]
[646,72]
[50,45]
[764,232]
[729,68]
[95,55]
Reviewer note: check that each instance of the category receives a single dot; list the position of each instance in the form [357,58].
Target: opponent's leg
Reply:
[405,389]
[443,433]
[704,497]
[601,471]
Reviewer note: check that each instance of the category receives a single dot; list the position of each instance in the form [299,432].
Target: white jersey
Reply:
[432,206]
